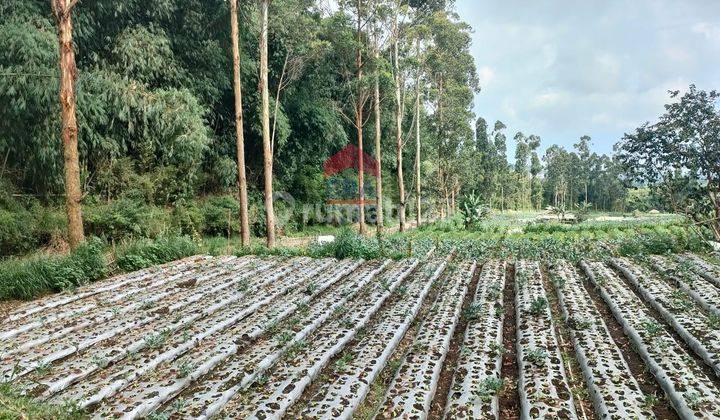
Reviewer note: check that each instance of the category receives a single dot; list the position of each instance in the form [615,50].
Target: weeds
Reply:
[31,277]
[538,357]
[472,312]
[490,387]
[538,306]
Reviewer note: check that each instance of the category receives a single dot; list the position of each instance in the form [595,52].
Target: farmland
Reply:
[438,334]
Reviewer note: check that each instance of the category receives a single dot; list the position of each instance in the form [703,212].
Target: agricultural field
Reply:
[438,335]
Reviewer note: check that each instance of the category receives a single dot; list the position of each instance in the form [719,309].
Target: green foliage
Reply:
[14,405]
[28,278]
[473,210]
[124,218]
[347,244]
[678,156]
[146,253]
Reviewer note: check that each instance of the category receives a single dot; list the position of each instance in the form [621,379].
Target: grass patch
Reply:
[31,277]
[15,406]
[146,253]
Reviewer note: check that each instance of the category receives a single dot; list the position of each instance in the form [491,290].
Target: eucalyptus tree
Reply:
[500,159]
[265,120]
[62,11]
[536,194]
[486,156]
[239,132]
[558,166]
[522,154]
[583,169]
[453,83]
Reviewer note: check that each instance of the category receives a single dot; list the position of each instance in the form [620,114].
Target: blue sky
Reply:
[564,68]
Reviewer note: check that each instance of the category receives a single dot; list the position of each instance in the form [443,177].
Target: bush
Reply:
[28,278]
[347,244]
[125,218]
[17,232]
[25,225]
[146,253]
[188,219]
[221,215]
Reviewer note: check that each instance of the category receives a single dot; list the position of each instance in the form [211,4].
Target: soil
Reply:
[583,404]
[437,407]
[662,409]
[375,397]
[509,398]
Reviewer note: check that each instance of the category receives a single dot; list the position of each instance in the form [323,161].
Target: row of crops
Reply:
[434,336]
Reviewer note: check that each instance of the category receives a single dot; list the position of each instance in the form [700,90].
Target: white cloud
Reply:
[565,68]
[485,76]
[708,30]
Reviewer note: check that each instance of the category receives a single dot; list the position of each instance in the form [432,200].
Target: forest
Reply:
[157,131]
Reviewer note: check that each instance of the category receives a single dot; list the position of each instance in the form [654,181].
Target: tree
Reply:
[557,170]
[239,135]
[418,209]
[399,114]
[522,154]
[679,156]
[267,148]
[361,99]
[501,163]
[486,156]
[378,129]
[62,10]
[535,169]
[583,170]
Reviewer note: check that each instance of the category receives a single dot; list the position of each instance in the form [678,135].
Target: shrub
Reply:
[188,219]
[146,253]
[125,218]
[28,278]
[17,232]
[347,244]
[221,214]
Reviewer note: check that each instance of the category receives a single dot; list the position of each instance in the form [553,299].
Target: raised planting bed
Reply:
[273,396]
[354,372]
[709,271]
[198,311]
[434,337]
[477,380]
[697,328]
[261,342]
[684,277]
[413,387]
[613,389]
[542,382]
[692,393]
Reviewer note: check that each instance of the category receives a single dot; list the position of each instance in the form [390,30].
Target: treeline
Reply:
[156,105]
[559,178]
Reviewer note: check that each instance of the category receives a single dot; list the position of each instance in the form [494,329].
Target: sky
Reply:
[564,68]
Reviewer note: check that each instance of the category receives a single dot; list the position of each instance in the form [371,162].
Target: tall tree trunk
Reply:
[441,132]
[452,200]
[398,124]
[378,151]
[62,10]
[418,209]
[239,135]
[359,122]
[267,148]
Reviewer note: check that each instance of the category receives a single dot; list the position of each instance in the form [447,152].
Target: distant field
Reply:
[300,337]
